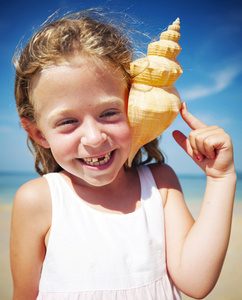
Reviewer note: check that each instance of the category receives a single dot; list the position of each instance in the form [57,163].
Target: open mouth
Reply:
[97,161]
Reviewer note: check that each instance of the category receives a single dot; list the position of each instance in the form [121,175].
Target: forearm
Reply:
[18,294]
[205,246]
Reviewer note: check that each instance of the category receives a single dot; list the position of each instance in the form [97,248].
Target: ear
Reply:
[34,132]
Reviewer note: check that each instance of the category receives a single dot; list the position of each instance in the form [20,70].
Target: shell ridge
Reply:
[154,102]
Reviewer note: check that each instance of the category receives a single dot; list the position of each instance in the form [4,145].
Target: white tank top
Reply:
[97,255]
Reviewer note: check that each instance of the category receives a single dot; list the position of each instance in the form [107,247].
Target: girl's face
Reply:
[81,115]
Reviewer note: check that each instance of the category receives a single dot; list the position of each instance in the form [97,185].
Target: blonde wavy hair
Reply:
[83,33]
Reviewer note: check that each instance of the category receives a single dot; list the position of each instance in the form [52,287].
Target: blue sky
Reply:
[211,57]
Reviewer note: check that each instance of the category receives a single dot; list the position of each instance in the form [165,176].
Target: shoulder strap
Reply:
[145,174]
[148,184]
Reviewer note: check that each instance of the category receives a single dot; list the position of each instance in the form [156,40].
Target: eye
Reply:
[66,125]
[112,114]
[66,122]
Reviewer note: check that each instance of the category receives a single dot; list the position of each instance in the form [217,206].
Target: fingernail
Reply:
[199,158]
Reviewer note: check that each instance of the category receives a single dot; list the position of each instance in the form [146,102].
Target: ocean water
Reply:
[193,186]
[10,182]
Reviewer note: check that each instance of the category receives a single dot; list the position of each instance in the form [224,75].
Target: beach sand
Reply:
[6,285]
[229,286]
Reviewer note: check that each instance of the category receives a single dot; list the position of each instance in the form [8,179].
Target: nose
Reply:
[92,134]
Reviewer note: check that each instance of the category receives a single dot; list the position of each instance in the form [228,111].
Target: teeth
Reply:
[95,161]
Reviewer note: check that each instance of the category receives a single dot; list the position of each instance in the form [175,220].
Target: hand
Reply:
[210,147]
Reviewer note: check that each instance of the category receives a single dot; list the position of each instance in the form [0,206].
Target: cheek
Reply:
[124,135]
[61,146]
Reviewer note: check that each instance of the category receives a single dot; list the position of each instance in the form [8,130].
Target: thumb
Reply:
[183,141]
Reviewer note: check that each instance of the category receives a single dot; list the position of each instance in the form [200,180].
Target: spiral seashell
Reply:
[154,102]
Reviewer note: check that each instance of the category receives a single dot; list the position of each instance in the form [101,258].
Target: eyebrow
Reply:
[116,101]
[58,112]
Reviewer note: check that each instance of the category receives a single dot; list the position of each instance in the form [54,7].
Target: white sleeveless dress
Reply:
[93,255]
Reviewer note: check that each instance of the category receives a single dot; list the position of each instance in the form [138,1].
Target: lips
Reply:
[97,161]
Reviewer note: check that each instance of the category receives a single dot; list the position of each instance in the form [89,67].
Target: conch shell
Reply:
[154,102]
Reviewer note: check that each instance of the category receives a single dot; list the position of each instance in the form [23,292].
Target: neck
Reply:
[119,197]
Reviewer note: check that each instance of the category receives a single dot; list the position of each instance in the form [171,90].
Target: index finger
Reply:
[191,121]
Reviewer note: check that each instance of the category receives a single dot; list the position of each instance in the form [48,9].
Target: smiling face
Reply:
[81,116]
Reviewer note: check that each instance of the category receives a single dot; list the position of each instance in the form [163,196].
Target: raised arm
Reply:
[31,219]
[196,253]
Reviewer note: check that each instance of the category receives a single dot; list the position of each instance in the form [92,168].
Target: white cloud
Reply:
[220,80]
[211,119]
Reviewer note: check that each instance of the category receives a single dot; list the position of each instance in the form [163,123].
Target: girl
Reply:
[91,228]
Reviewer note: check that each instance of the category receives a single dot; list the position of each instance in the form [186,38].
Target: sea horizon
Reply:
[193,185]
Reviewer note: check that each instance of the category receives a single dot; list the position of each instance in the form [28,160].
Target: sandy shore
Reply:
[5,272]
[229,286]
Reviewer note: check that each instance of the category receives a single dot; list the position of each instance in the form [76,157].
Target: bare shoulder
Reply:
[34,193]
[166,180]
[33,200]
[164,176]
